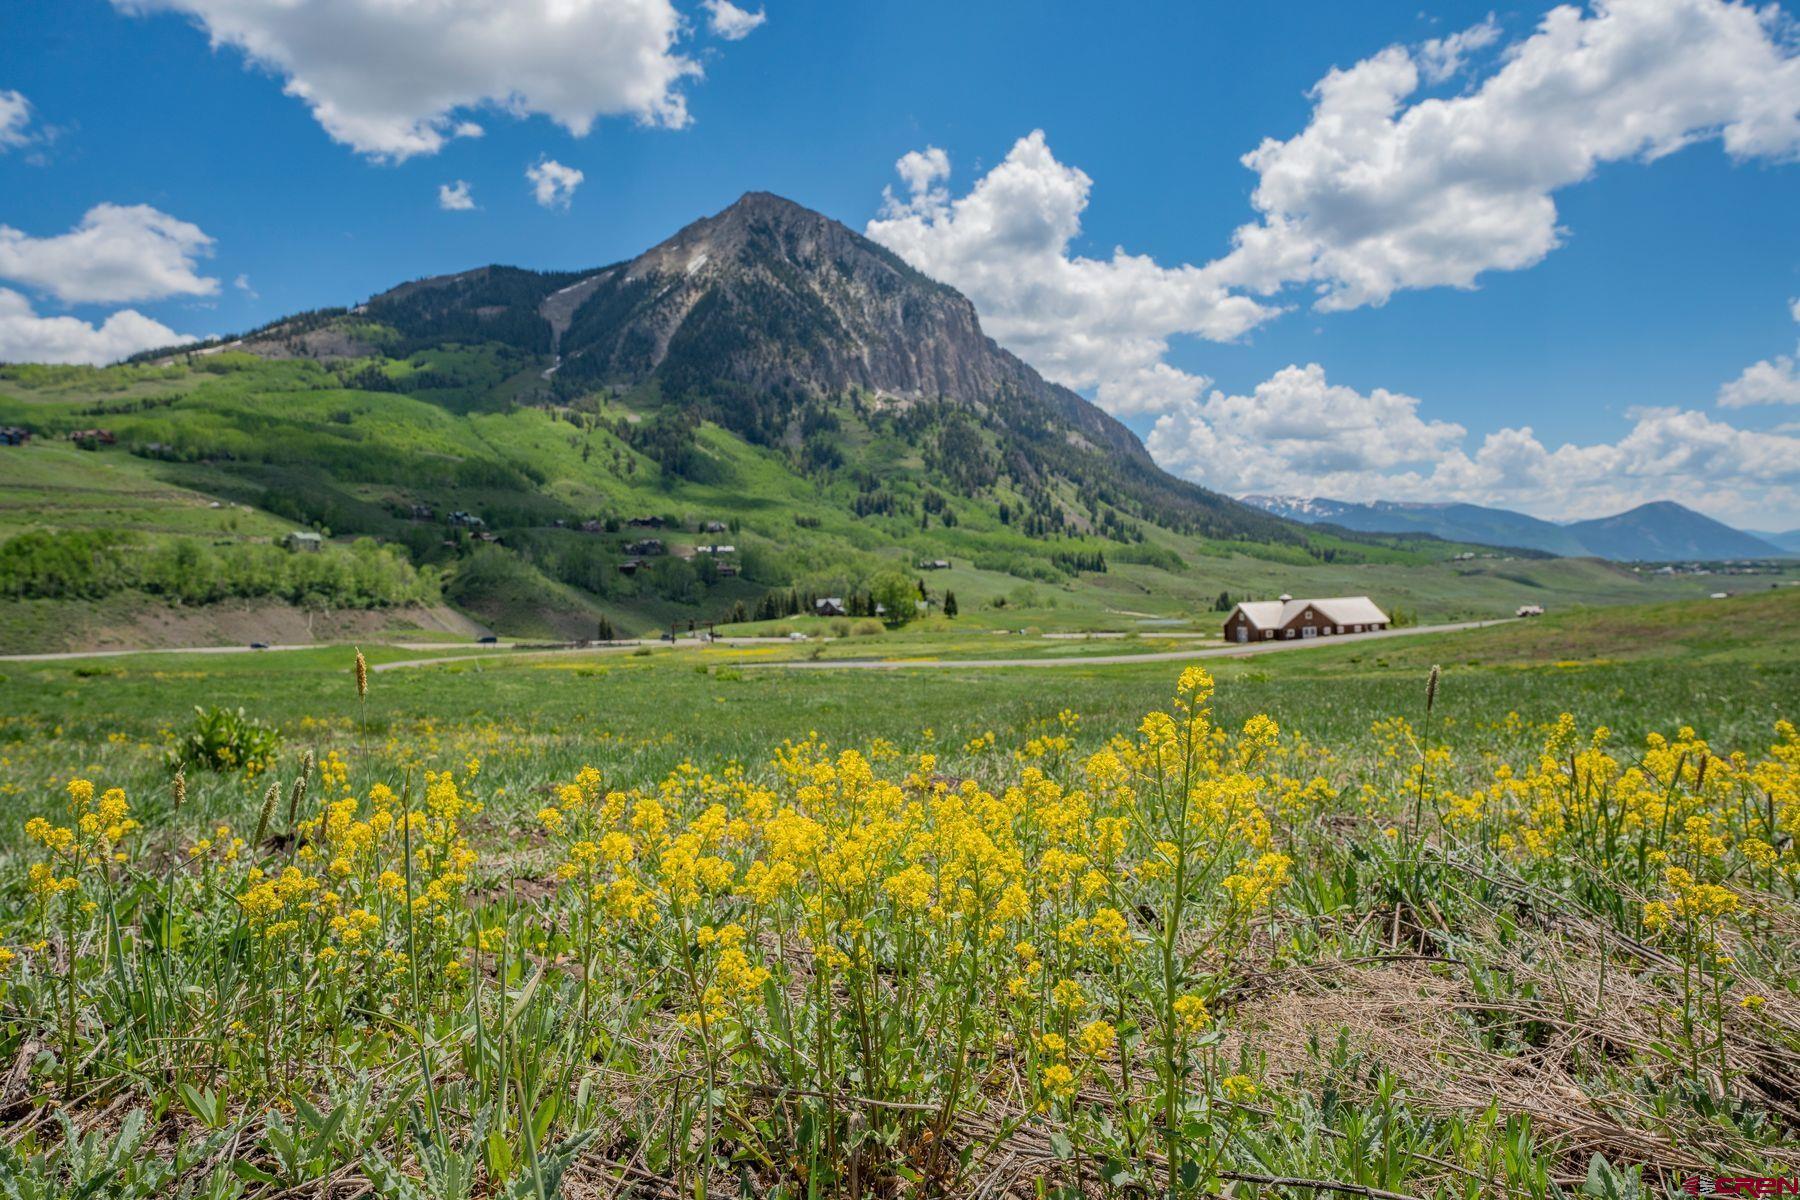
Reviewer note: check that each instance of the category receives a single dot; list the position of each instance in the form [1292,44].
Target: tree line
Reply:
[91,565]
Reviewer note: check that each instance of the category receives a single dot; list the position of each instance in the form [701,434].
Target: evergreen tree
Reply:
[949,604]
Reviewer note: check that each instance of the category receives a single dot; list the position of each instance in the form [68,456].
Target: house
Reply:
[593,525]
[14,435]
[466,520]
[714,527]
[725,570]
[88,438]
[646,522]
[422,512]
[1530,610]
[645,547]
[1286,617]
[631,566]
[715,549]
[303,540]
[830,606]
[935,564]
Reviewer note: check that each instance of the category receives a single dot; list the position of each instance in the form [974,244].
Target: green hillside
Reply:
[234,449]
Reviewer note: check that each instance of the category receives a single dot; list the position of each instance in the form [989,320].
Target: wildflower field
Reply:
[667,926]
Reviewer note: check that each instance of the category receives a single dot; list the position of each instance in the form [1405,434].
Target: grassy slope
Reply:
[284,434]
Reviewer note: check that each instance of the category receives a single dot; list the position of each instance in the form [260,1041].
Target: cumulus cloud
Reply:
[1379,193]
[117,253]
[1296,433]
[242,284]
[15,118]
[388,78]
[27,337]
[552,183]
[1294,426]
[1084,322]
[1771,381]
[730,22]
[456,197]
[1441,58]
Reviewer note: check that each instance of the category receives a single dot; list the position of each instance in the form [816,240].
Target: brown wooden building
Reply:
[1286,617]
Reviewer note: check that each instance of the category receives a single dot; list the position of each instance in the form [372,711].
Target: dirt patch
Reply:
[149,625]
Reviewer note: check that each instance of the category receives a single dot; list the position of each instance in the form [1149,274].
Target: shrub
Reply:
[224,739]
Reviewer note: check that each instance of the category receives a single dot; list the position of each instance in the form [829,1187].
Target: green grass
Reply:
[1391,988]
[1727,668]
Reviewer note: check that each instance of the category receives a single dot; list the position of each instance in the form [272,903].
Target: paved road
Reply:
[1091,660]
[511,650]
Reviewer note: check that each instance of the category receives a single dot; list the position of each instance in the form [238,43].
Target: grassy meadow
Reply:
[678,921]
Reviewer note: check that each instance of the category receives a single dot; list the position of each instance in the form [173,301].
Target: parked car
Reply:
[486,639]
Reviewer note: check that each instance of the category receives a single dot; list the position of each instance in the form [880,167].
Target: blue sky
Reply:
[1617,184]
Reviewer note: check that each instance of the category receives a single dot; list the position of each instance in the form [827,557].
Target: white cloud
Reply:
[1441,58]
[1771,381]
[388,78]
[1294,428]
[242,284]
[15,117]
[117,253]
[1298,434]
[456,197]
[1084,322]
[552,183]
[924,172]
[1377,194]
[730,22]
[27,337]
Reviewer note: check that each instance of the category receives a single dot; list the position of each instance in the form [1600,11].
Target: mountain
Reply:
[1665,530]
[1650,533]
[1788,540]
[764,407]
[762,317]
[1453,522]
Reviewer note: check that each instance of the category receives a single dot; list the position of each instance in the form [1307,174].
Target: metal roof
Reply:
[1339,610]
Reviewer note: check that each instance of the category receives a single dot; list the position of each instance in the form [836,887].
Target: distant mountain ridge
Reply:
[1658,531]
[1786,539]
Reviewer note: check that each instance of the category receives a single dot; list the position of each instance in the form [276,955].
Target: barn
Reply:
[1286,617]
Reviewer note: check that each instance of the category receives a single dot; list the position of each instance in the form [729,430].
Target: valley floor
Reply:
[1556,960]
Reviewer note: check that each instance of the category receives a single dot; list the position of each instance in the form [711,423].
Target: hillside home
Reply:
[303,540]
[14,435]
[1286,617]
[830,606]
